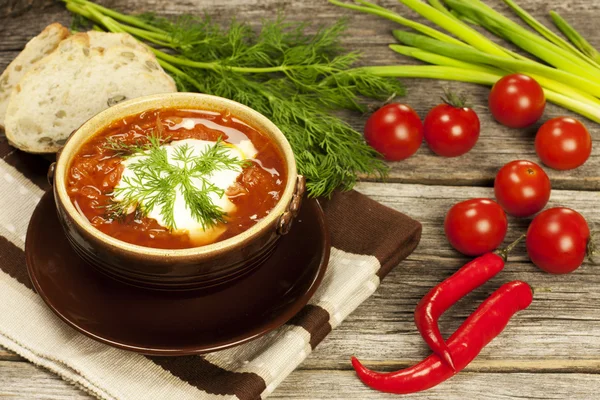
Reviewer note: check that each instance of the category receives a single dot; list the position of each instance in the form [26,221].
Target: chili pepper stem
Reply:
[506,251]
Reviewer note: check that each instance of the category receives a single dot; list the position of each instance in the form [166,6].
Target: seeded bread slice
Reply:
[36,49]
[86,74]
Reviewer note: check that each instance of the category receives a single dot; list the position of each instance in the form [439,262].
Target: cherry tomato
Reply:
[517,101]
[395,130]
[451,131]
[522,188]
[563,143]
[475,226]
[557,240]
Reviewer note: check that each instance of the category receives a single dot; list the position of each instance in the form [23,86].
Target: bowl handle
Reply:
[287,218]
[50,174]
[52,167]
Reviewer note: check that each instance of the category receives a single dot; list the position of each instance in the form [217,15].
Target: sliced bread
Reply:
[86,74]
[36,49]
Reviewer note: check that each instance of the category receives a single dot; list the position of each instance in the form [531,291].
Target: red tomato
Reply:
[475,226]
[451,131]
[557,240]
[563,143]
[522,188]
[517,101]
[395,130]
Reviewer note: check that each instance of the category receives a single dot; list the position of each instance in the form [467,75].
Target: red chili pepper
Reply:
[465,344]
[446,294]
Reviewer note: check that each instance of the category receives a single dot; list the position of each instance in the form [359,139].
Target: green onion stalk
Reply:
[579,41]
[545,32]
[527,40]
[568,72]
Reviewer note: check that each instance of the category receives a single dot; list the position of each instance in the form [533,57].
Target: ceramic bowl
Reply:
[179,269]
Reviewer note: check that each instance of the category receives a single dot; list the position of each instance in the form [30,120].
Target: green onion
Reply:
[437,4]
[571,81]
[463,18]
[590,111]
[118,16]
[527,40]
[380,11]
[555,56]
[437,59]
[460,30]
[575,37]
[435,72]
[509,64]
[93,14]
[542,30]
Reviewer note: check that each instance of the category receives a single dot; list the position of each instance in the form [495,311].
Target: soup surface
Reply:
[175,179]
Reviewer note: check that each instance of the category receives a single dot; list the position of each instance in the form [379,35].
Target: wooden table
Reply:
[552,350]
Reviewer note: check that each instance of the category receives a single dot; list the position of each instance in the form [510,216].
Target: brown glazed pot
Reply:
[186,268]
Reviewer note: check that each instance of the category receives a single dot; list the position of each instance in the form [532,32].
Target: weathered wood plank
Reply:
[25,381]
[6,355]
[344,385]
[19,380]
[371,35]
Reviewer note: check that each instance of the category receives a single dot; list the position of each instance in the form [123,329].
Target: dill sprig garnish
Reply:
[296,79]
[124,149]
[156,180]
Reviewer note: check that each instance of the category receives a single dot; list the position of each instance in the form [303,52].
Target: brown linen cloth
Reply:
[368,241]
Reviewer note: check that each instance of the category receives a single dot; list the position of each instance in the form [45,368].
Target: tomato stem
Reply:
[457,100]
[592,248]
[372,108]
[506,251]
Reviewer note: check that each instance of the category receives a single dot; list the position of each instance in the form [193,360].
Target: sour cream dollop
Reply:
[223,179]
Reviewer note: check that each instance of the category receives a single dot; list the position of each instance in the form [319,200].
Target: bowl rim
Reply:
[181,100]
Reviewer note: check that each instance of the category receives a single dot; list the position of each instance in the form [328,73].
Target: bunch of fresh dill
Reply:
[296,79]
